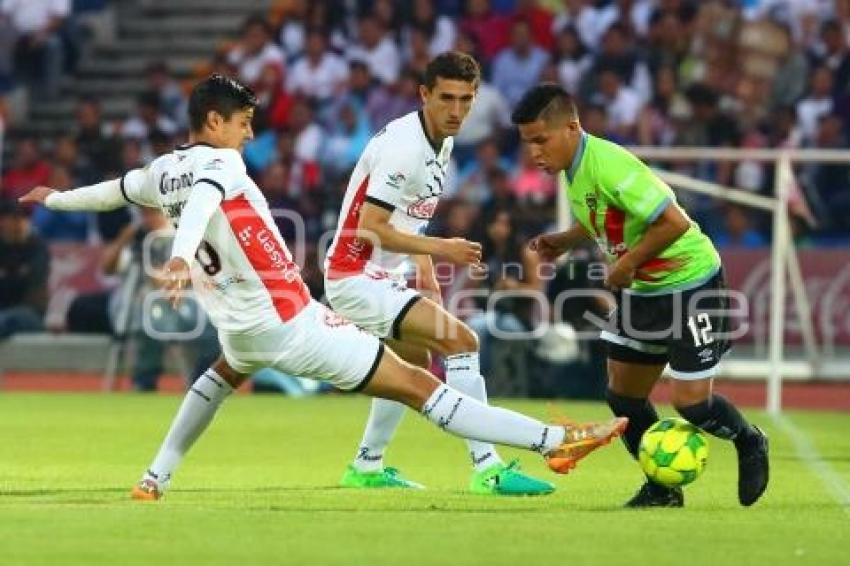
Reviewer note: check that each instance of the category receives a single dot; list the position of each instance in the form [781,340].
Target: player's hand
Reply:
[462,251]
[177,277]
[37,195]
[621,274]
[548,246]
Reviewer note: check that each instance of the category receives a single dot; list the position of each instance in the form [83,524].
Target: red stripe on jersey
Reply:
[350,252]
[615,227]
[270,260]
[655,265]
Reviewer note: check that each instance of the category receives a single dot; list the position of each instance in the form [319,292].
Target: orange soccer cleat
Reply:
[146,490]
[581,439]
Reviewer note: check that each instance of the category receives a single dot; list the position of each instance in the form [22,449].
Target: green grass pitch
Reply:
[259,488]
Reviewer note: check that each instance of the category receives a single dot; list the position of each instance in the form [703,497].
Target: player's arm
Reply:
[426,278]
[668,227]
[133,188]
[374,226]
[550,246]
[196,214]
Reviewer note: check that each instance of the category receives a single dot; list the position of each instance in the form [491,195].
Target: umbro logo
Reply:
[705,355]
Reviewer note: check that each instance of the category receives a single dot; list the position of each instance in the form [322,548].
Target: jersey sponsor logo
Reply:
[174,210]
[169,184]
[396,180]
[210,284]
[706,355]
[276,255]
[214,164]
[423,209]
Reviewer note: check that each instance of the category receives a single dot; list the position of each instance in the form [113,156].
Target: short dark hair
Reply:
[544,102]
[221,94]
[452,65]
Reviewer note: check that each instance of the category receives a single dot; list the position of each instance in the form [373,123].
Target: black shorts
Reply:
[687,329]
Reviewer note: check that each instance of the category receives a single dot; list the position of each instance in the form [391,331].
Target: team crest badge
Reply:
[590,201]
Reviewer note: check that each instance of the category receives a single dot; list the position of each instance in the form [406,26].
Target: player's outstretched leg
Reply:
[195,414]
[629,385]
[714,414]
[367,470]
[432,327]
[561,445]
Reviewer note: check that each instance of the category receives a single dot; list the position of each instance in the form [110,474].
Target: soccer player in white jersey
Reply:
[391,196]
[246,281]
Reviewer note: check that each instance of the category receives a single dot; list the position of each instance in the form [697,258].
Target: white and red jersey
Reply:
[244,275]
[401,170]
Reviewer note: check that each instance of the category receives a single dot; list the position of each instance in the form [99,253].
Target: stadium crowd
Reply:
[330,73]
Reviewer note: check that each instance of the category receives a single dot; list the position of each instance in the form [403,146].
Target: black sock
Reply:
[641,416]
[717,416]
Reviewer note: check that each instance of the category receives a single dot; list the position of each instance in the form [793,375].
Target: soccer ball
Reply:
[673,452]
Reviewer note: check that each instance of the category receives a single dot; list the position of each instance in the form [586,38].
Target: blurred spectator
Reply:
[488,29]
[789,82]
[539,20]
[635,14]
[657,122]
[417,53]
[489,119]
[388,102]
[24,266]
[275,103]
[833,54]
[28,170]
[138,253]
[583,17]
[148,118]
[255,50]
[93,142]
[59,226]
[572,59]
[473,184]
[530,184]
[618,54]
[293,29]
[518,67]
[66,154]
[346,140]
[275,183]
[737,232]
[172,101]
[818,103]
[622,103]
[512,268]
[438,30]
[39,49]
[667,41]
[831,180]
[320,73]
[376,48]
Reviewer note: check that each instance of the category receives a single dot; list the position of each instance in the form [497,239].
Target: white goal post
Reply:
[784,261]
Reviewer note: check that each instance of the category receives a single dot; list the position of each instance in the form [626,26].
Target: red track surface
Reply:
[817,396]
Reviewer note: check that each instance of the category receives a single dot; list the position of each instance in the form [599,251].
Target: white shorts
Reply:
[374,302]
[317,344]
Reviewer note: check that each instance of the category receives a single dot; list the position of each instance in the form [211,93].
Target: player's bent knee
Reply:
[690,393]
[460,340]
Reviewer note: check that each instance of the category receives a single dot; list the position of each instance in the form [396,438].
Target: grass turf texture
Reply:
[260,488]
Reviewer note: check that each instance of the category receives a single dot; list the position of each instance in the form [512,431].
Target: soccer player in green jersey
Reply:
[666,277]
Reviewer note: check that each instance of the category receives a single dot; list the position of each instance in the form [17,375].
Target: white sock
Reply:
[197,411]
[463,416]
[464,375]
[384,419]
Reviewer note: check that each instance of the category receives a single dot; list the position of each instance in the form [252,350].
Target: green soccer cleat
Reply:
[501,479]
[386,478]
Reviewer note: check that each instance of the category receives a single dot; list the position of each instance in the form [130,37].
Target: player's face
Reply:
[237,130]
[551,146]
[447,104]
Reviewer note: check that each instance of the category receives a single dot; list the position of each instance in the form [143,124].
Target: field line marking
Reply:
[834,483]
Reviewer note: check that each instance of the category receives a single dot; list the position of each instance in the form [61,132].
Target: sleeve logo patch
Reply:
[396,180]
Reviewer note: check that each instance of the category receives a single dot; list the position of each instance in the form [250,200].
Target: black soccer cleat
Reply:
[753,468]
[654,495]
